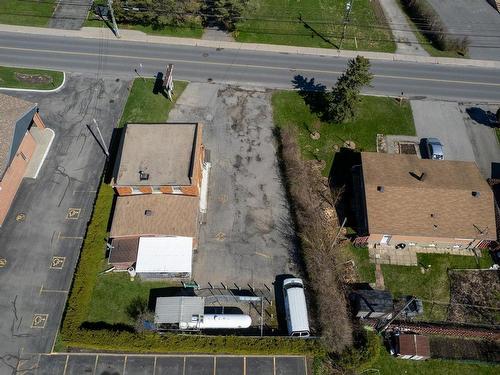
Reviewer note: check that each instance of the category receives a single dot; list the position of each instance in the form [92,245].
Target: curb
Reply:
[37,90]
[46,152]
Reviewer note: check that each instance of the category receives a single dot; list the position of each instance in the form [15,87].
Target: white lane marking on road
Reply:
[66,364]
[95,364]
[477,83]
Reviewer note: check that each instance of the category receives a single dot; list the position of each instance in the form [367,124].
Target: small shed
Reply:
[159,257]
[372,303]
[411,346]
[178,310]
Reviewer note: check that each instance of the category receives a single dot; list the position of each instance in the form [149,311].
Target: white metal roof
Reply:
[165,254]
[297,308]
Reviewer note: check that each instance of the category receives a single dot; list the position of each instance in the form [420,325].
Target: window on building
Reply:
[176,190]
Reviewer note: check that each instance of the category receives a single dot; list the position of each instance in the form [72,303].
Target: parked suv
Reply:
[434,148]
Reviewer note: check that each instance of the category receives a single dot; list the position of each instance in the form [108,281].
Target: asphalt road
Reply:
[271,70]
[34,285]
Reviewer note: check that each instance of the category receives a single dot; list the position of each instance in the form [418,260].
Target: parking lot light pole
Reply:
[106,151]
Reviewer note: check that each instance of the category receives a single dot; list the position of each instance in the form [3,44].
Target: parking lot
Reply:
[245,234]
[42,246]
[98,364]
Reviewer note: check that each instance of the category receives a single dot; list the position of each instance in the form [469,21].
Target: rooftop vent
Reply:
[475,194]
[143,176]
[419,177]
[148,212]
[380,188]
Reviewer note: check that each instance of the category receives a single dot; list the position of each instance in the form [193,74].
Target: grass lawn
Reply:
[144,106]
[365,269]
[388,365]
[431,285]
[192,31]
[277,22]
[115,297]
[26,13]
[375,115]
[33,79]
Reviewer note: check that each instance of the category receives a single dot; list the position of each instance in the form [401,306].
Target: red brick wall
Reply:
[14,174]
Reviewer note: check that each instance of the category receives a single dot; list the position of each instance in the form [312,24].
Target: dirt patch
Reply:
[33,78]
[475,297]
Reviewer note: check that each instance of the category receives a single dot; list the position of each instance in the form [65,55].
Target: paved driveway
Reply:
[58,204]
[243,238]
[443,120]
[70,14]
[102,364]
[480,123]
[476,19]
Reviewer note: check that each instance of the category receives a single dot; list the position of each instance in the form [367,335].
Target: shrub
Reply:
[433,28]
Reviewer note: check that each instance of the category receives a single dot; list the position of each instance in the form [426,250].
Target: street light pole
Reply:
[347,14]
[106,151]
[115,26]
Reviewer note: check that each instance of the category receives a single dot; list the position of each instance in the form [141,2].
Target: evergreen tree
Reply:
[342,100]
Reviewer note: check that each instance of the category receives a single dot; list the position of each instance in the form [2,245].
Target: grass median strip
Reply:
[23,78]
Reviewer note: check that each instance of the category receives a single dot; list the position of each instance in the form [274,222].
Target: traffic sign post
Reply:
[168,82]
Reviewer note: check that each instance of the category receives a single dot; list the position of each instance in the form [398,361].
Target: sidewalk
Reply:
[406,41]
[138,36]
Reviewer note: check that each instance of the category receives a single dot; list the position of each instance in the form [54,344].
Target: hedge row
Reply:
[77,333]
[429,22]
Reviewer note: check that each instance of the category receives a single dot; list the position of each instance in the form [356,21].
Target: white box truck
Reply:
[295,307]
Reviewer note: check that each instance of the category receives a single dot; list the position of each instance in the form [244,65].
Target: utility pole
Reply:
[347,14]
[106,151]
[115,26]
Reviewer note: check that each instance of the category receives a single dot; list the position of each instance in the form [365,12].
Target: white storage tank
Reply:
[225,321]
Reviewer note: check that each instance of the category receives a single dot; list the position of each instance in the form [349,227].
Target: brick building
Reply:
[402,201]
[20,125]
[159,158]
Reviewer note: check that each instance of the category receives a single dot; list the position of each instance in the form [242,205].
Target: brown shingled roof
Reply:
[168,215]
[441,204]
[11,110]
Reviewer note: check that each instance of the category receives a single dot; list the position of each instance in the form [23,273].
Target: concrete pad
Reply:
[243,239]
[110,364]
[443,120]
[169,366]
[140,366]
[200,95]
[229,366]
[199,366]
[80,364]
[51,364]
[44,139]
[290,366]
[259,366]
[480,123]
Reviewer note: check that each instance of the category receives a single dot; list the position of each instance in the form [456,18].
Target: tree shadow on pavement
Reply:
[314,94]
[482,117]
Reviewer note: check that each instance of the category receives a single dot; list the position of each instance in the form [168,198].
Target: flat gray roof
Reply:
[165,152]
[178,309]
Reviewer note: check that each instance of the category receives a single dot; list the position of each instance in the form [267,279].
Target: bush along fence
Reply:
[433,28]
[76,332]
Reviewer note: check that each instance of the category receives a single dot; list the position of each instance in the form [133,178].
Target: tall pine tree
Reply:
[342,100]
